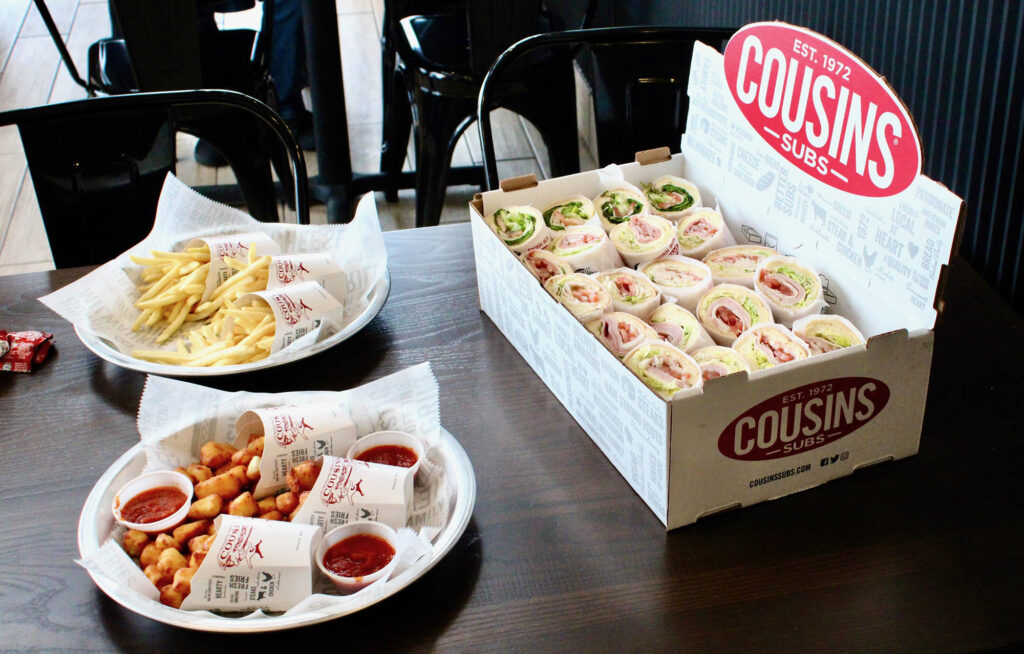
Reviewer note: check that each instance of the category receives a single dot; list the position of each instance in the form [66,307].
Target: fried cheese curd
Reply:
[223,481]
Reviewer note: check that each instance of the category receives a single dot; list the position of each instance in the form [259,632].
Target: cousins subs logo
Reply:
[289,428]
[803,418]
[239,548]
[343,482]
[823,109]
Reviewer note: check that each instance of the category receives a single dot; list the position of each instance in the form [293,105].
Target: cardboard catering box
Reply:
[807,150]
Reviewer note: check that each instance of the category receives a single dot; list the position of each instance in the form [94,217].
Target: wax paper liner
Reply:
[102,302]
[405,401]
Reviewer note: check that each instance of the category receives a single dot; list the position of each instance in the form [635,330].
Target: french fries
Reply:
[172,291]
[171,559]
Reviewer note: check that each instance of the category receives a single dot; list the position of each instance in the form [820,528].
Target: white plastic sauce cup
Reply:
[146,482]
[338,534]
[379,438]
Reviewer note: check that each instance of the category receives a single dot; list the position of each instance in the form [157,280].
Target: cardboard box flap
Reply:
[646,157]
[856,205]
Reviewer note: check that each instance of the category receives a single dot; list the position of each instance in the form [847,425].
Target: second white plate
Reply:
[96,522]
[104,350]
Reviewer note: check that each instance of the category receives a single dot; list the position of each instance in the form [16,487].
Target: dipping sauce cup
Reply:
[357,554]
[154,502]
[389,448]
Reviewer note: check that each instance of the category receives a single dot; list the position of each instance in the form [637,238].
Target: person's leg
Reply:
[287,69]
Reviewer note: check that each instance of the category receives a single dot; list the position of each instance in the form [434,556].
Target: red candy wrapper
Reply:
[20,350]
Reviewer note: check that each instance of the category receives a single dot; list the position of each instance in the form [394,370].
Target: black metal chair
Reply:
[443,59]
[167,45]
[98,165]
[173,45]
[397,116]
[639,82]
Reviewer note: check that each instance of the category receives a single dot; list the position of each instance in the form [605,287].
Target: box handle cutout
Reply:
[518,183]
[656,155]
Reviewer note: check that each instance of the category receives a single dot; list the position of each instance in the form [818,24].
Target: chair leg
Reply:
[395,133]
[438,124]
[248,160]
[562,142]
[257,186]
[279,159]
[556,122]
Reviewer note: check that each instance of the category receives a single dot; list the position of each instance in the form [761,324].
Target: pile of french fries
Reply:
[223,481]
[172,289]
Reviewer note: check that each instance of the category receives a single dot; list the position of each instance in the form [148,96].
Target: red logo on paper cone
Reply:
[291,311]
[287,430]
[823,109]
[229,249]
[290,271]
[803,418]
[341,482]
[238,548]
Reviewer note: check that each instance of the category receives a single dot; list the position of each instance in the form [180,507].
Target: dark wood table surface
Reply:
[924,554]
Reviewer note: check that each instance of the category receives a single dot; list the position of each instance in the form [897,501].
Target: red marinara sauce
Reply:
[359,555]
[153,505]
[389,455]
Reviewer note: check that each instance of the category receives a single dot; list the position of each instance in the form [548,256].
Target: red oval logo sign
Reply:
[823,109]
[803,418]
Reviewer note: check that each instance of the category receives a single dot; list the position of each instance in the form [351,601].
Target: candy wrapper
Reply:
[19,351]
[176,418]
[101,303]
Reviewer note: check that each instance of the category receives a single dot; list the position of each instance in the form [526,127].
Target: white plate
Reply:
[96,521]
[106,351]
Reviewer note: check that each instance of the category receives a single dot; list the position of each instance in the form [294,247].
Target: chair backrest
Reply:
[175,44]
[494,25]
[98,165]
[640,77]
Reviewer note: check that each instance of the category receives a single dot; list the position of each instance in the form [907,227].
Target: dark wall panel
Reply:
[959,66]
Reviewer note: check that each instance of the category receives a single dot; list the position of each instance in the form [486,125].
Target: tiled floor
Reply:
[31,74]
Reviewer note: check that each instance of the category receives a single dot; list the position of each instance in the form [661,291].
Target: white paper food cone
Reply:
[293,434]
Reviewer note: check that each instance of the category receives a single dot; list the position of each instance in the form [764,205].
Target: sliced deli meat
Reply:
[617,205]
[643,239]
[679,327]
[620,332]
[520,228]
[631,291]
[826,333]
[679,277]
[581,294]
[586,248]
[544,264]
[728,310]
[701,231]
[767,346]
[736,264]
[571,212]
[671,197]
[664,368]
[718,361]
[792,289]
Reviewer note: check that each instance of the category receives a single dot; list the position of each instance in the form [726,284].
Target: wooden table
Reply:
[920,554]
